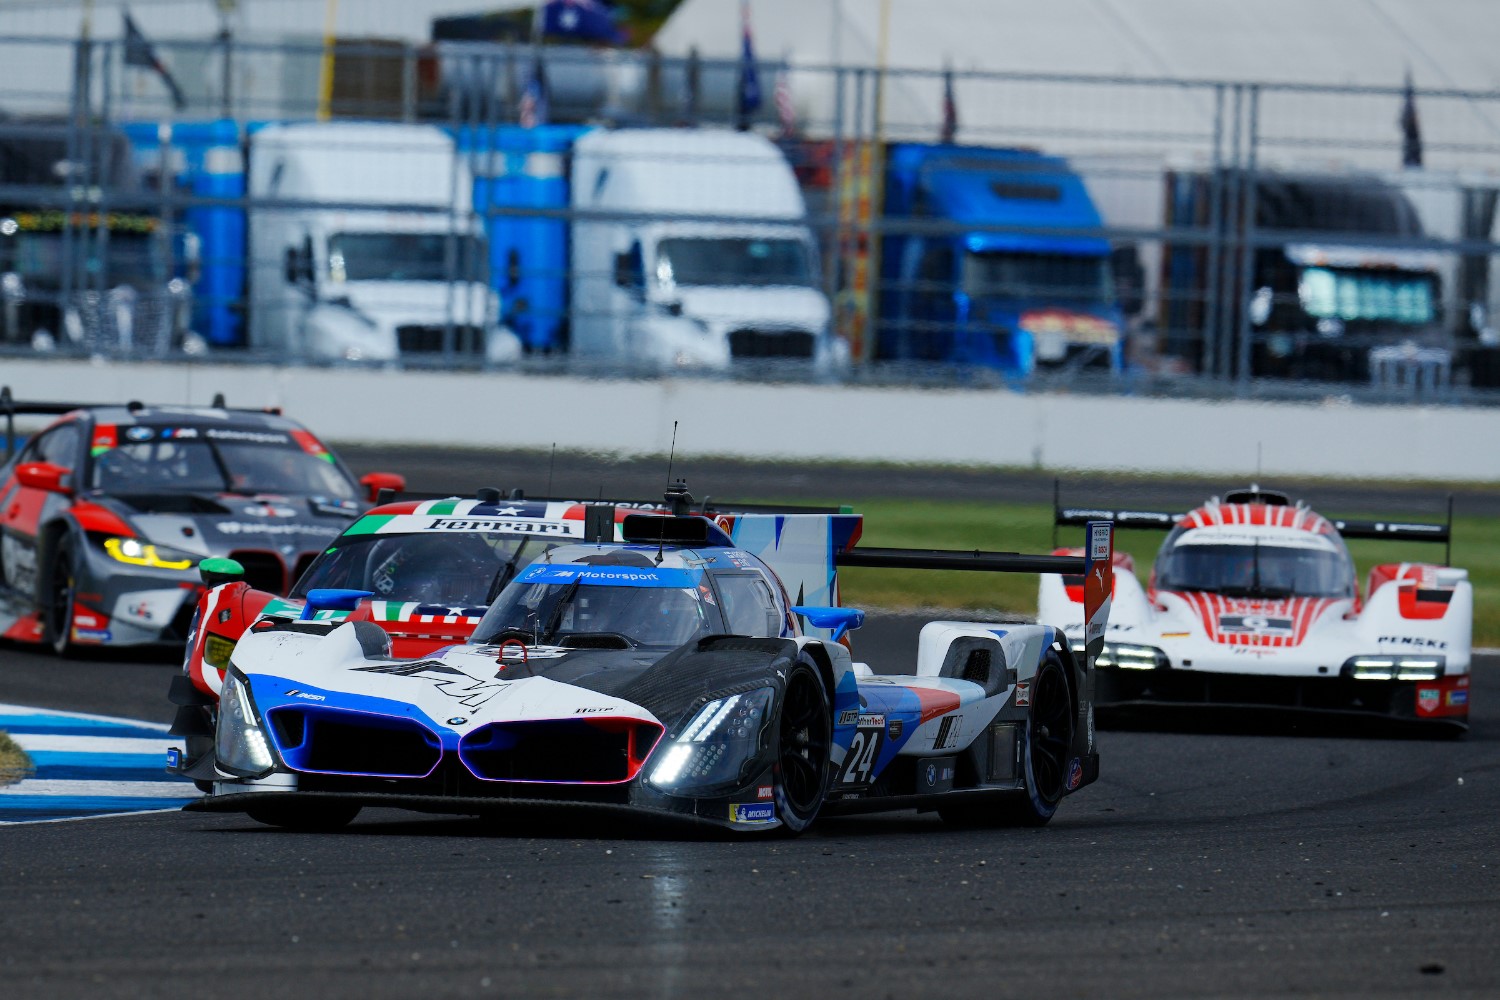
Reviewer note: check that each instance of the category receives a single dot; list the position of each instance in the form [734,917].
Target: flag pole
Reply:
[866,347]
[325,70]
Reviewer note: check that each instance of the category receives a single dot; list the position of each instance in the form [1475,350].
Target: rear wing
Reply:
[10,408]
[1095,566]
[1403,531]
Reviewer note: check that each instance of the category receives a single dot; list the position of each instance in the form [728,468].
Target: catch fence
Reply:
[1119,234]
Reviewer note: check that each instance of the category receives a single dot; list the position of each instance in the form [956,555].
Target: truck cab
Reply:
[690,249]
[1012,277]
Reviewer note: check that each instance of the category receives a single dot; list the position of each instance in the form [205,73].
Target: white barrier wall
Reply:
[812,422]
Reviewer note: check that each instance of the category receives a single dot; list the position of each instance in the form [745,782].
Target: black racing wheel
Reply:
[804,742]
[57,603]
[1046,755]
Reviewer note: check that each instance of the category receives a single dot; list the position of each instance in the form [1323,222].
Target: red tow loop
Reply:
[525,654]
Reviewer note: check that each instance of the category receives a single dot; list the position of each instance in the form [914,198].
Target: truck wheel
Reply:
[804,743]
[57,607]
[1046,755]
[305,817]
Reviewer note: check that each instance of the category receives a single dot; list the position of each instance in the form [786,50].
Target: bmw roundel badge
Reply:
[457,720]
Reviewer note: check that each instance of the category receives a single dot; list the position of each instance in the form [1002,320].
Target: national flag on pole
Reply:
[533,105]
[950,110]
[748,91]
[1411,129]
[786,112]
[589,20]
[139,52]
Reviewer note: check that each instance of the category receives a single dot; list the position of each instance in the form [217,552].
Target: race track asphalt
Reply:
[1233,861]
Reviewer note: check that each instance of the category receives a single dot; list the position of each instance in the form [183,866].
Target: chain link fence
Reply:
[564,208]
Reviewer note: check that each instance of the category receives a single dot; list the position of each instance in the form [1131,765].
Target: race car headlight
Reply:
[714,746]
[1395,668]
[138,553]
[240,744]
[1128,656]
[216,650]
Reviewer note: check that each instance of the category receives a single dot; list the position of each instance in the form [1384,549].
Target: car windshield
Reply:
[403,256]
[646,606]
[1256,569]
[455,569]
[255,462]
[1351,295]
[1048,276]
[732,261]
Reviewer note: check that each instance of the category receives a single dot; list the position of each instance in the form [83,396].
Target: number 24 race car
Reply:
[1253,601]
[654,663]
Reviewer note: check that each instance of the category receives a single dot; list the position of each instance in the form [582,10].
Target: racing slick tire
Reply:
[804,744]
[305,817]
[1046,754]
[58,598]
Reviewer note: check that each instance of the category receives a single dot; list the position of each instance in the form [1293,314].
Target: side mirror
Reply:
[630,271]
[44,476]
[840,620]
[1130,278]
[218,570]
[374,482]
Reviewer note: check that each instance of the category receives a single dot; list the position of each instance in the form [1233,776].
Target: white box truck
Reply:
[364,245]
[690,249]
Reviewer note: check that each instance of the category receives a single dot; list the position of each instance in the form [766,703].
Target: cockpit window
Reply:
[457,569]
[749,608]
[1312,566]
[659,606]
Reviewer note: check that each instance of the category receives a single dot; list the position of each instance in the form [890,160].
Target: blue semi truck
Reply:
[1001,264]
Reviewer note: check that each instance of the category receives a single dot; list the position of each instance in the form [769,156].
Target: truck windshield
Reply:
[403,257]
[133,258]
[733,261]
[1393,296]
[1045,276]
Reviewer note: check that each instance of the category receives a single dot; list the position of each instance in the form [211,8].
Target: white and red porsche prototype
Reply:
[1253,601]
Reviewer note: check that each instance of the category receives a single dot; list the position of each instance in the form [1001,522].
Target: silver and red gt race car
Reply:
[106,513]
[656,663]
[1253,601]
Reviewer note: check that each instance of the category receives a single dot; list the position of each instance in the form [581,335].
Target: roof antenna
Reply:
[671,488]
[672,454]
[551,464]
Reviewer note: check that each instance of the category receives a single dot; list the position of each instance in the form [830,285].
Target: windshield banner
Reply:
[611,576]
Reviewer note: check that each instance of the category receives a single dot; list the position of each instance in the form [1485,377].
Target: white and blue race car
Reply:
[658,666]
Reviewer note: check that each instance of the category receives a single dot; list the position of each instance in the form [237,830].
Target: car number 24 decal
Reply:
[864,750]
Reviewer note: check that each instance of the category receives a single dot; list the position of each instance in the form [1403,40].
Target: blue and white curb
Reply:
[88,765]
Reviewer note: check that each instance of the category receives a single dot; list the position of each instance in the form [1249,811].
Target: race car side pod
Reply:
[1096,566]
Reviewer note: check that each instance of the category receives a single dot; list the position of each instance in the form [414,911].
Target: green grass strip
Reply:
[14,764]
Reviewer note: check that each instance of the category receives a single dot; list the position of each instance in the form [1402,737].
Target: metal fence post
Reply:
[1247,240]
[1208,331]
[1224,284]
